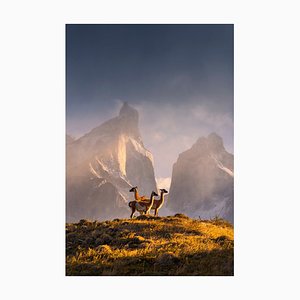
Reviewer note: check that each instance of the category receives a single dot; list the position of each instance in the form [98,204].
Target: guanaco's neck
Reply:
[136,195]
[152,199]
[162,197]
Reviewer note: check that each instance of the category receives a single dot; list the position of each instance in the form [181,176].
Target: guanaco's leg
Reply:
[132,212]
[146,211]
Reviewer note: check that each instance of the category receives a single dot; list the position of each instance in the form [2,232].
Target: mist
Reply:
[166,129]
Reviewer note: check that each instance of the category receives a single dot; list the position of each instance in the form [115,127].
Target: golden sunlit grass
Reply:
[174,245]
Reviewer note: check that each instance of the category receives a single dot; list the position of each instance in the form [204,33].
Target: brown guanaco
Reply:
[143,207]
[159,203]
[137,197]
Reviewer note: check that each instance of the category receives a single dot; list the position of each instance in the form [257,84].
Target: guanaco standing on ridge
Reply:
[137,197]
[159,203]
[142,207]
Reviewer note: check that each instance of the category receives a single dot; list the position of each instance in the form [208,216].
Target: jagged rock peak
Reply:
[129,120]
[128,111]
[104,164]
[202,180]
[212,142]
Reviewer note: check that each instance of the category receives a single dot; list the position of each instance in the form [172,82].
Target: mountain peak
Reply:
[202,180]
[104,164]
[128,111]
[129,120]
[213,142]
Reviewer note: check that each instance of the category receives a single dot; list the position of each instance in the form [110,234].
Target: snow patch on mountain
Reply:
[141,149]
[93,171]
[222,167]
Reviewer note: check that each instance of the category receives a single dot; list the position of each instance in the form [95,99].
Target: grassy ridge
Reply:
[174,245]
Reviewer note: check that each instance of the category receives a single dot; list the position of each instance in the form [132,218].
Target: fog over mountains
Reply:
[103,164]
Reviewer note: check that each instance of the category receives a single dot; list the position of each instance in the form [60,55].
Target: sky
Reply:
[179,78]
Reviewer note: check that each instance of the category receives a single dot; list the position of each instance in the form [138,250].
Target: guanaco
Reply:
[142,207]
[137,197]
[159,203]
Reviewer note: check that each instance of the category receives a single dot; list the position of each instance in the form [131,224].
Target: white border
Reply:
[266,149]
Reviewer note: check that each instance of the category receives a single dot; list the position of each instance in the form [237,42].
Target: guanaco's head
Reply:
[154,194]
[133,189]
[164,191]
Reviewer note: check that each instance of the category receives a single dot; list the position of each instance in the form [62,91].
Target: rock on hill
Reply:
[103,165]
[174,245]
[202,180]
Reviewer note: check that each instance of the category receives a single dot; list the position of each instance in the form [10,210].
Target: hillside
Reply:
[173,245]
